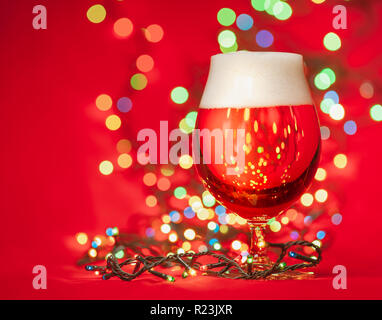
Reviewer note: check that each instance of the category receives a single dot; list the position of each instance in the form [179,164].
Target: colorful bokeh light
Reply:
[336,219]
[179,95]
[226,16]
[322,81]
[366,90]
[113,122]
[307,199]
[149,179]
[189,213]
[321,195]
[350,127]
[258,5]
[269,5]
[282,10]
[82,238]
[123,27]
[180,193]
[163,184]
[96,13]
[332,41]
[230,49]
[326,104]
[185,161]
[264,38]
[124,146]
[104,102]
[332,77]
[376,112]
[184,127]
[275,226]
[106,167]
[340,161]
[138,81]
[124,104]
[191,119]
[244,22]
[189,234]
[226,38]
[320,174]
[124,160]
[154,33]
[337,112]
[151,201]
[333,95]
[145,63]
[325,133]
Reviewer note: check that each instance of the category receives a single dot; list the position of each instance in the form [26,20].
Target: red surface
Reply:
[53,138]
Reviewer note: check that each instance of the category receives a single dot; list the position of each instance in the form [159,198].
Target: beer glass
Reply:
[264,98]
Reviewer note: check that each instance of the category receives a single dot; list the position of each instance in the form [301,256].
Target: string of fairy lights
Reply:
[221,265]
[192,220]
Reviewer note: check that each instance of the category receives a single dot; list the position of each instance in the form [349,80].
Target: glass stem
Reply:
[257,245]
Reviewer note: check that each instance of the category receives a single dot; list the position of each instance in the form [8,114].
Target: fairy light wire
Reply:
[114,269]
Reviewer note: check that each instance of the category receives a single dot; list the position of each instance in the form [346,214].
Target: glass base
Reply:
[261,263]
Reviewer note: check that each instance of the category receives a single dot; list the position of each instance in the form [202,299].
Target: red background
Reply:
[53,138]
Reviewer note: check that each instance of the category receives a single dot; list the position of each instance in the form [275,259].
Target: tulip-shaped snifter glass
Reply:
[258,137]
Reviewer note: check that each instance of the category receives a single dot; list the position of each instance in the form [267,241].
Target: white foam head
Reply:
[246,79]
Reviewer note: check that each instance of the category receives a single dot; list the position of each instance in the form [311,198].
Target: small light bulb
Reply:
[203,268]
[261,244]
[170,278]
